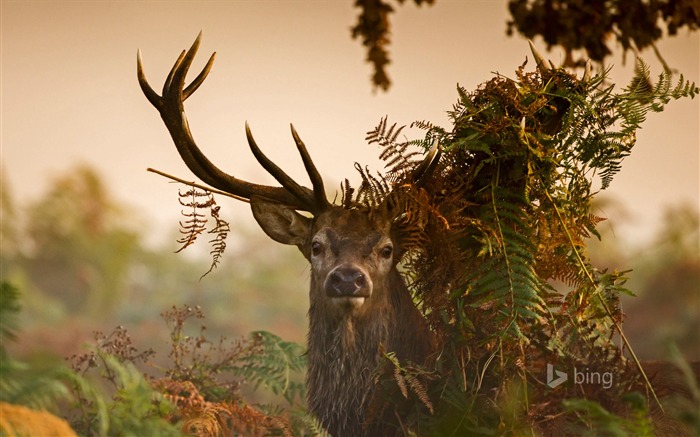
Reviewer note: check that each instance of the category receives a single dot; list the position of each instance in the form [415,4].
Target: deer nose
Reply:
[346,281]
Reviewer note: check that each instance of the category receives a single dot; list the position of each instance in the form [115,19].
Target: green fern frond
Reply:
[275,367]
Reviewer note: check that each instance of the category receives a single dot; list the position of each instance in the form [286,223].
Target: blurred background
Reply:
[88,236]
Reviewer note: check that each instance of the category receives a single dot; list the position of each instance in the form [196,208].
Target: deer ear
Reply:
[280,222]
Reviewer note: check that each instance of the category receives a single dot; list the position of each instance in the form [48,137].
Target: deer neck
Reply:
[343,353]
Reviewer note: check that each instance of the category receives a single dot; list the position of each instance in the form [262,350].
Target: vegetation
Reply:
[103,392]
[592,27]
[634,24]
[498,260]
[495,253]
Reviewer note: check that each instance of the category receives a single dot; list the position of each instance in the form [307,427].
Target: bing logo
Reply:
[556,377]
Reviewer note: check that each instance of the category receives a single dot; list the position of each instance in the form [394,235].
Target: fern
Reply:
[195,223]
[505,216]
[218,243]
[16,420]
[595,420]
[275,367]
[19,383]
[197,393]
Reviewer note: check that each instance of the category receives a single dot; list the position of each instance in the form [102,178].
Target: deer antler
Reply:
[421,175]
[171,108]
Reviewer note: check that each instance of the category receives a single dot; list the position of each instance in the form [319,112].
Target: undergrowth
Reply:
[116,389]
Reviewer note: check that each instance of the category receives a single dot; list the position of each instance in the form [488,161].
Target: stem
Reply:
[196,185]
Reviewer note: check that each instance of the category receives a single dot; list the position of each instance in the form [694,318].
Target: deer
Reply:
[360,306]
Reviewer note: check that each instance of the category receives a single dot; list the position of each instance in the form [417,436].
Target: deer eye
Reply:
[387,251]
[315,248]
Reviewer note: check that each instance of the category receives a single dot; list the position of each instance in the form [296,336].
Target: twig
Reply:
[196,185]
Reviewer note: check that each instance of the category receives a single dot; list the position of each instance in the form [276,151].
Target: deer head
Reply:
[349,250]
[358,301]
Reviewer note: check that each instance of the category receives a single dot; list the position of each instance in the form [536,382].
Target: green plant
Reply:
[19,383]
[197,392]
[498,255]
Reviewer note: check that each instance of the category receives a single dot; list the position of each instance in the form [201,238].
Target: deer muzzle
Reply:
[348,284]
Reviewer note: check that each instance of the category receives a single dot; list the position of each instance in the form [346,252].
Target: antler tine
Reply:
[148,91]
[285,180]
[192,87]
[177,67]
[182,66]
[541,64]
[426,168]
[312,171]
[587,71]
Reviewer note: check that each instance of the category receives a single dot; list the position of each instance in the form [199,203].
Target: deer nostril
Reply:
[359,279]
[346,282]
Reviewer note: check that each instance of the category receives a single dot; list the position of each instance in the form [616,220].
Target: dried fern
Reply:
[218,243]
[195,223]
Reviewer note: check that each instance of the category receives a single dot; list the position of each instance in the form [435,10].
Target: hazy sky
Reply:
[70,95]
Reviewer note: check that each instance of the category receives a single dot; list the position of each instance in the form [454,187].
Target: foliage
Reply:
[19,384]
[136,408]
[198,393]
[635,24]
[275,366]
[572,24]
[602,422]
[496,253]
[117,389]
[374,27]
[16,420]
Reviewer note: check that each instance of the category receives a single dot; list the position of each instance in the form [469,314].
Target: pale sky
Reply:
[70,94]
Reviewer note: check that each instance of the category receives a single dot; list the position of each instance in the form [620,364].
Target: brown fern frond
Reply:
[373,190]
[347,194]
[183,394]
[203,418]
[418,388]
[589,224]
[218,243]
[400,381]
[206,423]
[248,421]
[398,159]
[195,222]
